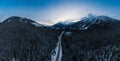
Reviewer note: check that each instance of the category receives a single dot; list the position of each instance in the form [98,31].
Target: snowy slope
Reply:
[87,23]
[15,20]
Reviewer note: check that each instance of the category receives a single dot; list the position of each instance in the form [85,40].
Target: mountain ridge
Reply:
[83,24]
[88,22]
[16,20]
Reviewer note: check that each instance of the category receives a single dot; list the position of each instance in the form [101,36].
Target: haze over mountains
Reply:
[93,38]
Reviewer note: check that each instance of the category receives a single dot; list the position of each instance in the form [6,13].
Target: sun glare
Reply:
[66,14]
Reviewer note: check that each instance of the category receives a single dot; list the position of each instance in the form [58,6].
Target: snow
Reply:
[86,22]
[21,19]
[54,54]
[9,20]
[36,24]
[91,20]
[102,18]
[57,28]
[86,27]
[67,22]
[67,33]
[58,50]
[90,17]
[13,59]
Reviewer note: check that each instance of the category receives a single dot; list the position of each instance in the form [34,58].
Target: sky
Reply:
[52,11]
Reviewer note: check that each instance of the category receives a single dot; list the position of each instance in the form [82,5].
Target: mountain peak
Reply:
[91,15]
[93,20]
[16,20]
[89,22]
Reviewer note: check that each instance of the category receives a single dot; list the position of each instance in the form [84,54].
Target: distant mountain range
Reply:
[87,22]
[93,38]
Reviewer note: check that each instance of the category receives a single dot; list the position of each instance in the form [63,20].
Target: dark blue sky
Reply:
[52,11]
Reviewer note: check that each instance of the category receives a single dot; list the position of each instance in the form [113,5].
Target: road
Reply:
[58,50]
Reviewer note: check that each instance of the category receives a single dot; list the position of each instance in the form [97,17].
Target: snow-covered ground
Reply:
[13,59]
[57,55]
[36,24]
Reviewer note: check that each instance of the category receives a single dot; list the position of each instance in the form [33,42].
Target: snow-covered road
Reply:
[58,50]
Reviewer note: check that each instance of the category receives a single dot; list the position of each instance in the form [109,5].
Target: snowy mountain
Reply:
[62,25]
[87,22]
[15,20]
